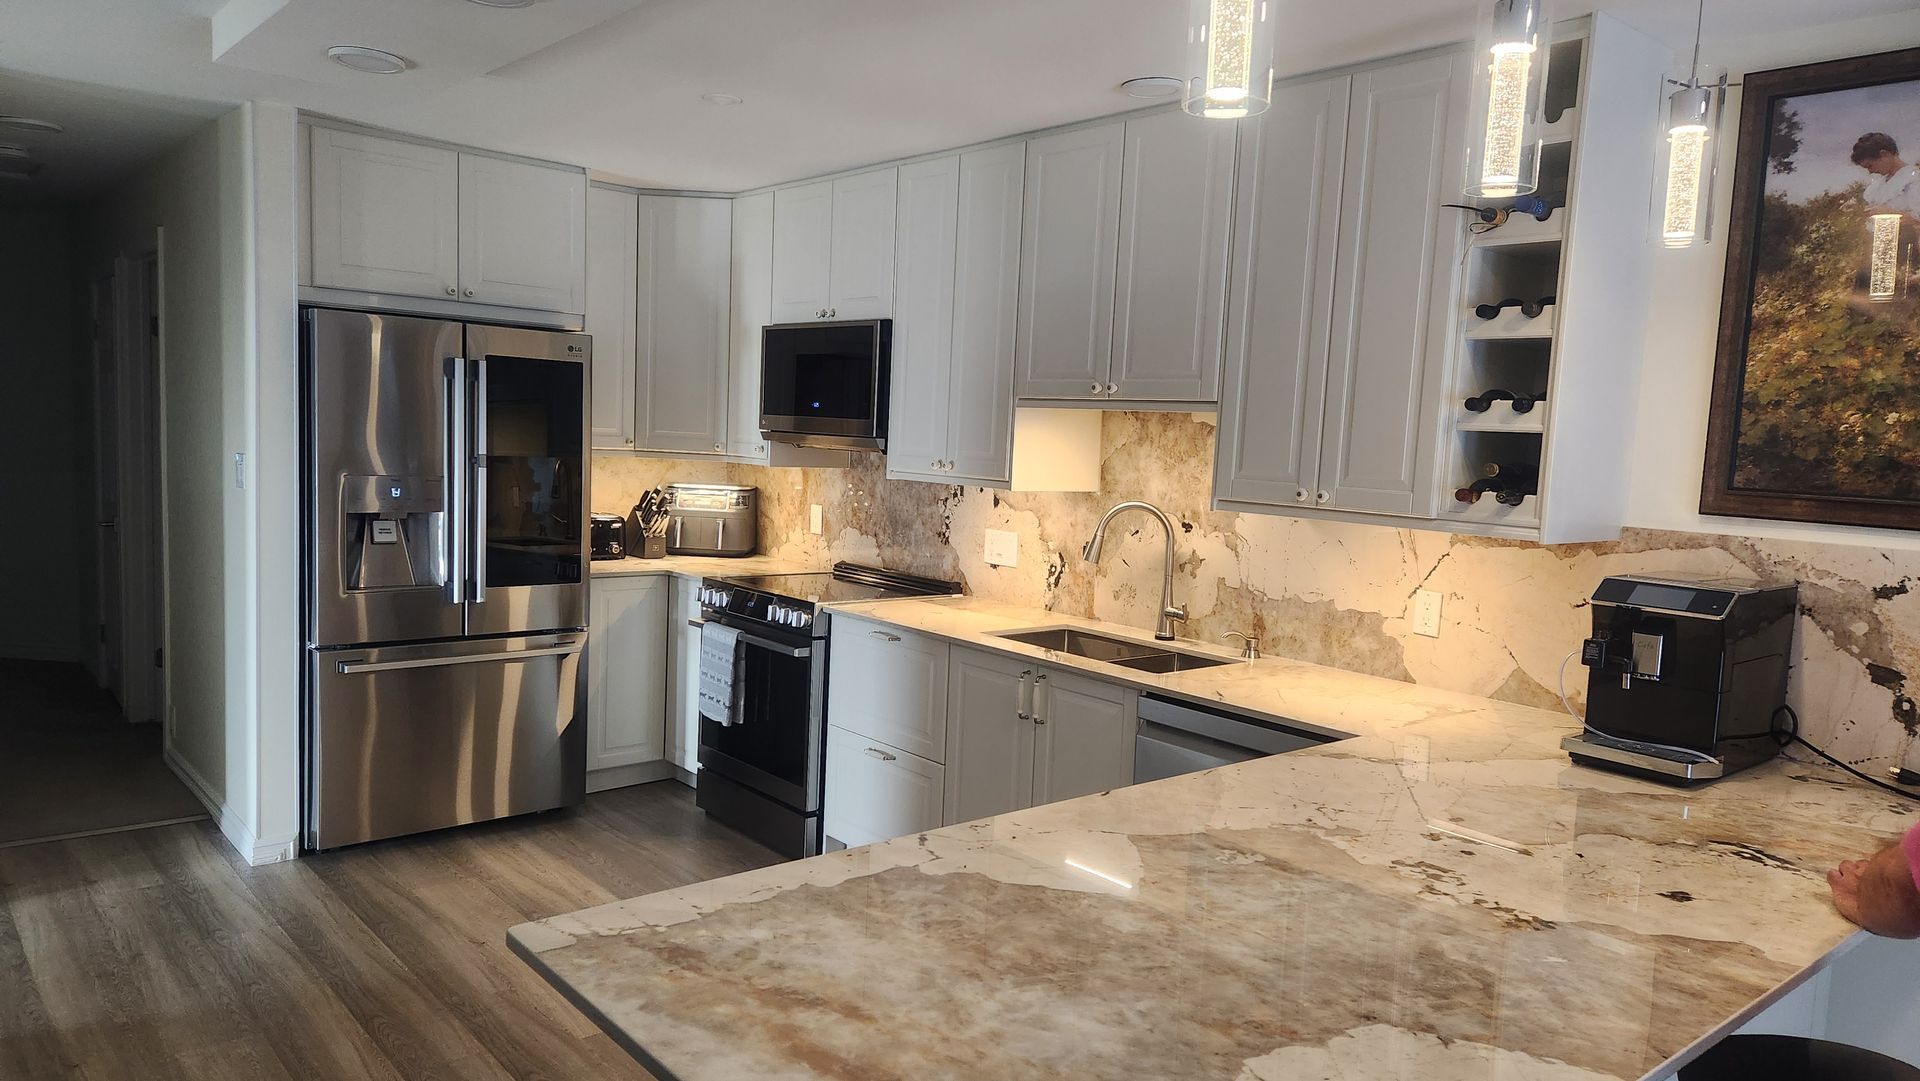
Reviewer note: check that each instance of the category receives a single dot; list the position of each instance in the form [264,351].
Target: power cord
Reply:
[1791,735]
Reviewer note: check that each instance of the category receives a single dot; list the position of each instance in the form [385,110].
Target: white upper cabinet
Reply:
[1343,290]
[681,365]
[1176,211]
[612,295]
[802,252]
[861,282]
[986,307]
[385,215]
[1393,296]
[1288,229]
[923,327]
[523,234]
[1072,226]
[833,249]
[752,306]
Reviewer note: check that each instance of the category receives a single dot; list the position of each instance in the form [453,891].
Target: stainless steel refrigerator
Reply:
[446,547]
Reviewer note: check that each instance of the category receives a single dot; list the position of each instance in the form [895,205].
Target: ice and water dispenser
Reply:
[393,533]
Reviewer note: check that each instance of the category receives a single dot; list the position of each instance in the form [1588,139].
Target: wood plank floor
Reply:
[159,954]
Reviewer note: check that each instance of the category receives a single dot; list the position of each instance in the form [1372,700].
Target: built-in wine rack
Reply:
[1513,342]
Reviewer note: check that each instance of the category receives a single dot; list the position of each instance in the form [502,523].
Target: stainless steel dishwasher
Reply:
[1180,737]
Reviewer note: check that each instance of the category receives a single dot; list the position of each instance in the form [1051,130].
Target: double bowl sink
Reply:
[1115,651]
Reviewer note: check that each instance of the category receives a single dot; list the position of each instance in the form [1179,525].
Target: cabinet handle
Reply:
[880,754]
[1113,388]
[883,636]
[1025,710]
[1039,684]
[1323,497]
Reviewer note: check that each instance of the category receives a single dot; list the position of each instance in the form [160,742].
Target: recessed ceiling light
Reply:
[1153,86]
[370,61]
[720,99]
[28,123]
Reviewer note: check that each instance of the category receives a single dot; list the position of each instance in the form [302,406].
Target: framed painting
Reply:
[1816,395]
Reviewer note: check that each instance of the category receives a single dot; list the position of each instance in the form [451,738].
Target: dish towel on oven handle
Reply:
[719,661]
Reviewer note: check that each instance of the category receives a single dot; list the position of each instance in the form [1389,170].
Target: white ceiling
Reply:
[615,85]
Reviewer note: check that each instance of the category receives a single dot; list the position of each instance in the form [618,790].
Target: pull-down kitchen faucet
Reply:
[1168,612]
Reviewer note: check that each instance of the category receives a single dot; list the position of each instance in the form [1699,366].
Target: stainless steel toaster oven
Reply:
[713,520]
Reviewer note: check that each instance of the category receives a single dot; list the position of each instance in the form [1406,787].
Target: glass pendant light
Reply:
[1229,58]
[1509,83]
[1691,124]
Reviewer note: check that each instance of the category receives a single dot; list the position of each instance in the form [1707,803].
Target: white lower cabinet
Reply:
[683,676]
[626,673]
[1016,734]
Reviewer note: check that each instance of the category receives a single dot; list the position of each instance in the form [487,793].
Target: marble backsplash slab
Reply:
[1331,593]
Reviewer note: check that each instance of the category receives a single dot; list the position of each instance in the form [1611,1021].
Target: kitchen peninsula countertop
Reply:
[1443,895]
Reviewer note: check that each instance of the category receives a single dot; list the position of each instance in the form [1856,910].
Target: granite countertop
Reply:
[1441,896]
[698,566]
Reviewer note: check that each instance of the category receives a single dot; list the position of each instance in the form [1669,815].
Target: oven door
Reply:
[775,749]
[826,383]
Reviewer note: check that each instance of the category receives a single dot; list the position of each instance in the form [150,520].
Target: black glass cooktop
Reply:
[848,582]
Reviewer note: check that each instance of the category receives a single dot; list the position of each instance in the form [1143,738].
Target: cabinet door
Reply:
[1085,743]
[685,246]
[612,293]
[923,329]
[1393,294]
[385,215]
[1072,226]
[627,672]
[860,285]
[875,792]
[523,234]
[986,307]
[802,252]
[990,735]
[890,686]
[1286,232]
[1176,210]
[752,306]
[683,676]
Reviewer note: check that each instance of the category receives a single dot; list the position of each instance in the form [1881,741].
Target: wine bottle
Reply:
[1512,474]
[1473,492]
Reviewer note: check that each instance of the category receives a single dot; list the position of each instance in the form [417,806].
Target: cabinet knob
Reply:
[1301,495]
[452,292]
[719,446]
[629,441]
[1096,388]
[1323,497]
[1113,388]
[833,313]
[469,292]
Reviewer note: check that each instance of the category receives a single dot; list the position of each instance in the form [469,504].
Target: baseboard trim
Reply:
[238,834]
[602,780]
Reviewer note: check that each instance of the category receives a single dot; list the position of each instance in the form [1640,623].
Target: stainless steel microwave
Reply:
[826,384]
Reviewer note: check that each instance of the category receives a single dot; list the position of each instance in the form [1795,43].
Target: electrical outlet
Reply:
[814,524]
[1425,613]
[1002,548]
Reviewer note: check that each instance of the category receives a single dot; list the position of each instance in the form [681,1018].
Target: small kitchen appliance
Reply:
[763,763]
[1687,677]
[712,519]
[609,536]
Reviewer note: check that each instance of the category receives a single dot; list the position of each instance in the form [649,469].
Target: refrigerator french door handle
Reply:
[455,474]
[477,498]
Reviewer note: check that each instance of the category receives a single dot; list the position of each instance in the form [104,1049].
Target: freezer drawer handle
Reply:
[354,668]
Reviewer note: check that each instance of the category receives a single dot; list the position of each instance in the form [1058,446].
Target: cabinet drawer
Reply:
[876,792]
[890,686]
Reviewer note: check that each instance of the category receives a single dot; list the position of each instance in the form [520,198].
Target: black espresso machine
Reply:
[1687,678]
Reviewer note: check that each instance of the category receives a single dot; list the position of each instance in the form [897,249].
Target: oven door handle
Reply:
[772,646]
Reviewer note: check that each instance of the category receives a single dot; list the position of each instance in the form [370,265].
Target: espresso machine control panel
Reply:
[1686,678]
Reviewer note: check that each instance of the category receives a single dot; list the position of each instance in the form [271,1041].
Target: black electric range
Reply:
[764,773]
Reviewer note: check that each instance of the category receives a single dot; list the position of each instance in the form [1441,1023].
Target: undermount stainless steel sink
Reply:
[1118,651]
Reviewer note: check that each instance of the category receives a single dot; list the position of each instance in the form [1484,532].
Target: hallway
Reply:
[70,766]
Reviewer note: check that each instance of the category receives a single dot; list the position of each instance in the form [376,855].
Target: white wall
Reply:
[46,532]
[219,209]
[1684,321]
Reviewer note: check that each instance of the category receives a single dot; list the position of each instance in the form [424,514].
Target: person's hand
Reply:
[1845,883]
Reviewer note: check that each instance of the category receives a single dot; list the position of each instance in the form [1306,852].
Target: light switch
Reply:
[1425,613]
[1002,548]
[814,524]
